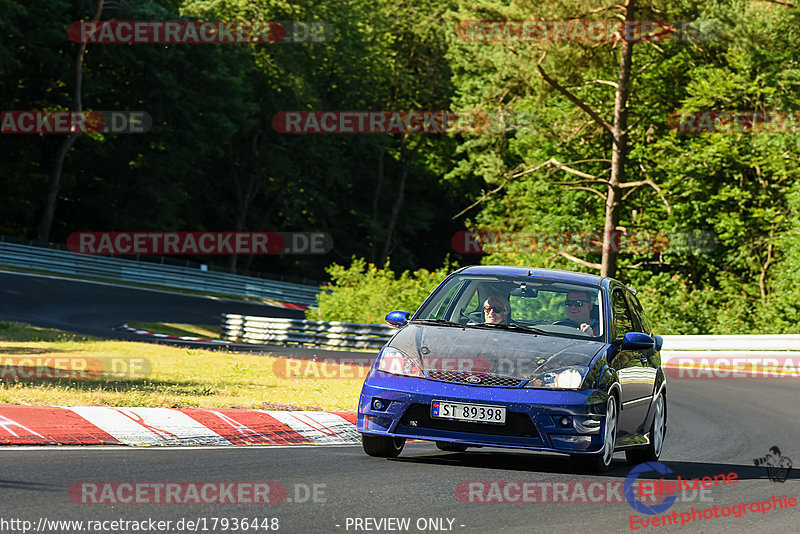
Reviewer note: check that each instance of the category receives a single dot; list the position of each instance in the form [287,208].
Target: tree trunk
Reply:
[375,199]
[46,220]
[619,153]
[398,202]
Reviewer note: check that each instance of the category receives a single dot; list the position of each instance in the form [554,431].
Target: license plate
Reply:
[481,413]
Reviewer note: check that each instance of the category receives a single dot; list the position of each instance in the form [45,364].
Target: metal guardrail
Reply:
[249,329]
[268,330]
[733,346]
[154,274]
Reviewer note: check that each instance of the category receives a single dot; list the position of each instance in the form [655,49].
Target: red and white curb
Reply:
[101,425]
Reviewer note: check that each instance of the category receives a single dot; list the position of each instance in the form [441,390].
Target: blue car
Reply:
[523,358]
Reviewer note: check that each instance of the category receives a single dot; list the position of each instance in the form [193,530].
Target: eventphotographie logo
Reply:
[778,467]
[666,492]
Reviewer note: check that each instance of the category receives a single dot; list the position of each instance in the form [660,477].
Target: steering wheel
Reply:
[567,322]
[472,317]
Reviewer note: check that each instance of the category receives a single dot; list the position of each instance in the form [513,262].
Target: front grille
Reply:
[485,380]
[517,424]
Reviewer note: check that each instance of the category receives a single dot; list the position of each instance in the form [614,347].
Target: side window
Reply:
[622,323]
[438,312]
[474,303]
[638,314]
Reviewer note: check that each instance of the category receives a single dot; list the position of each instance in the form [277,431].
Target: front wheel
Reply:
[658,429]
[601,462]
[382,446]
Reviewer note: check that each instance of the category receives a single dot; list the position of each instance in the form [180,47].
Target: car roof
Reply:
[553,274]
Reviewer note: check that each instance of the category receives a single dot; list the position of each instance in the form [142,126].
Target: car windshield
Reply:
[540,305]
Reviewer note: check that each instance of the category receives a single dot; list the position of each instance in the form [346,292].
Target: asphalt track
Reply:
[715,427]
[97,308]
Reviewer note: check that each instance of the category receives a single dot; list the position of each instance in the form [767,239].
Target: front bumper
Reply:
[533,419]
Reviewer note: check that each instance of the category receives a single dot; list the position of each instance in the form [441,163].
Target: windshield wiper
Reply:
[513,326]
[443,322]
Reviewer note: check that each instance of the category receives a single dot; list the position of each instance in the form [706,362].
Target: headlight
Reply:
[397,362]
[569,378]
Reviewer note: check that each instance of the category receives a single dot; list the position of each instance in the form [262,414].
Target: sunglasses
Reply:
[495,309]
[576,303]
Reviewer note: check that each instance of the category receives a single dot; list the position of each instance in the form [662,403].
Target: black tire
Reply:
[658,430]
[600,463]
[382,446]
[451,447]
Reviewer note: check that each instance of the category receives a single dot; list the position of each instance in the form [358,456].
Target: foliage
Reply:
[364,293]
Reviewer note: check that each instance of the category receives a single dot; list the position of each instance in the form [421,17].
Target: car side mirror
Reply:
[397,318]
[659,342]
[637,341]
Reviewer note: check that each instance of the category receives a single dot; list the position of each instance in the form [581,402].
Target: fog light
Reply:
[379,404]
[565,421]
[571,442]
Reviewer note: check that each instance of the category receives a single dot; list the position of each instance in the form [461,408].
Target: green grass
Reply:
[173,377]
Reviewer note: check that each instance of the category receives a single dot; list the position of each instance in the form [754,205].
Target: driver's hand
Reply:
[586,328]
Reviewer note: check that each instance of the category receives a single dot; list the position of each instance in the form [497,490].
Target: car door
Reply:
[652,360]
[635,374]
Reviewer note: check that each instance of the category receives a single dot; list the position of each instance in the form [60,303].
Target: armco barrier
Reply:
[263,330]
[267,330]
[169,276]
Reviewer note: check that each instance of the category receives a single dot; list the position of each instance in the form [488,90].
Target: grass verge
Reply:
[41,366]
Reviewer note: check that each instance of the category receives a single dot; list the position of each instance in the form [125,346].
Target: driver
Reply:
[495,310]
[578,308]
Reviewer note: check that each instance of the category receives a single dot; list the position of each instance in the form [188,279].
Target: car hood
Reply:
[502,352]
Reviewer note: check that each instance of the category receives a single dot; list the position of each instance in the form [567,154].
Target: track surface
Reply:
[715,426]
[97,308]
